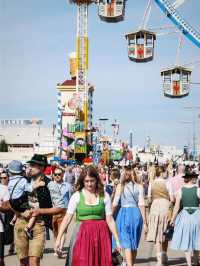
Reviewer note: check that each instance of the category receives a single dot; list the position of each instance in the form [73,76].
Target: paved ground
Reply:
[146,256]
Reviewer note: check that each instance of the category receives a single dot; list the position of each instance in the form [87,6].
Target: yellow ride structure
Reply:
[82,51]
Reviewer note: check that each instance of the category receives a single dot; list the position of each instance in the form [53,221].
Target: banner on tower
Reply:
[80,142]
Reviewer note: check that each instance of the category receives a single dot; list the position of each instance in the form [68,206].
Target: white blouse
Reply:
[75,199]
[4,196]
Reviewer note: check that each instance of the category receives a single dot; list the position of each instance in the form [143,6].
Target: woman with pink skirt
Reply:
[91,242]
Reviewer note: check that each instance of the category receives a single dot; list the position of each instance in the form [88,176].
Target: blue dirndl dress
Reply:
[129,220]
[186,235]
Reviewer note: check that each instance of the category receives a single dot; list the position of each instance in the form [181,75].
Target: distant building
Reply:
[26,137]
[67,101]
[20,122]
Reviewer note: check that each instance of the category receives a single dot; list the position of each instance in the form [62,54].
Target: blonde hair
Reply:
[135,177]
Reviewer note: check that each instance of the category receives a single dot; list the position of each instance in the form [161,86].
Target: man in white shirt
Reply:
[4,195]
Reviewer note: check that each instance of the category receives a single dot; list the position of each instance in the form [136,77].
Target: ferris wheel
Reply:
[141,46]
[170,10]
[177,79]
[141,42]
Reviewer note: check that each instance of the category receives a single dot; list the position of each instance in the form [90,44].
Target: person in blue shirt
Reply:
[48,199]
[64,187]
[18,185]
[66,191]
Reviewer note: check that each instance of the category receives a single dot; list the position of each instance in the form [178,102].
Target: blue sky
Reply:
[36,38]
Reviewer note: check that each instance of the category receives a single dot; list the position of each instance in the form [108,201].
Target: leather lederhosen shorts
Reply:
[26,247]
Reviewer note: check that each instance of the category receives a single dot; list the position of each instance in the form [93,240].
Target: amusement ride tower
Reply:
[81,76]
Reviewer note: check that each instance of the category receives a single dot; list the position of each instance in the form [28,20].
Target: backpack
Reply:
[44,198]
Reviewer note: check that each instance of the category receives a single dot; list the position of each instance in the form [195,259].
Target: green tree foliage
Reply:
[3,146]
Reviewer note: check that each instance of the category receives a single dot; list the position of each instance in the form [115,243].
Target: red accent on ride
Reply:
[140,51]
[69,82]
[110,9]
[176,88]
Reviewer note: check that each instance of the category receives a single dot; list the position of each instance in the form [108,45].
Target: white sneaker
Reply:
[164,258]
[159,259]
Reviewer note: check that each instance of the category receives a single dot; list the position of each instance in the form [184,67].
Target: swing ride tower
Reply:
[82,138]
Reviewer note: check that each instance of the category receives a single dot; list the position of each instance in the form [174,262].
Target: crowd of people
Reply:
[110,207]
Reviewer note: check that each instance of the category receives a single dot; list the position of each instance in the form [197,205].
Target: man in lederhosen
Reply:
[45,202]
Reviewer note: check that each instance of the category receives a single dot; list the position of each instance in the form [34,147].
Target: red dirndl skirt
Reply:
[93,245]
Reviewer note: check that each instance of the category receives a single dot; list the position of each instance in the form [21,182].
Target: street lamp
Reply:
[103,120]
[187,123]
[193,122]
[131,139]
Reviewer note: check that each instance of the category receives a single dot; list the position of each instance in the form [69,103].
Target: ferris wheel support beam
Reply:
[168,9]
[193,64]
[146,16]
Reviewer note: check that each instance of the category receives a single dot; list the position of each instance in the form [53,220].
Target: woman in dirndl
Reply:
[90,243]
[160,196]
[131,216]
[186,235]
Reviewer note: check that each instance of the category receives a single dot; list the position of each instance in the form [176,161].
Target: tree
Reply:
[3,146]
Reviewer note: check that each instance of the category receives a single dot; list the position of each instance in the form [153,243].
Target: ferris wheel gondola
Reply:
[111,10]
[141,45]
[176,81]
[141,42]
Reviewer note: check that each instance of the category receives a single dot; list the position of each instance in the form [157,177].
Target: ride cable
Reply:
[146,15]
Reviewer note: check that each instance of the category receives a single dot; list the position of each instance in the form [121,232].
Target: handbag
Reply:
[117,258]
[169,232]
[8,234]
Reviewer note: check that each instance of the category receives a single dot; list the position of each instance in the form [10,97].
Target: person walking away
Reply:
[113,182]
[160,195]
[69,177]
[77,172]
[131,215]
[151,172]
[186,222]
[177,181]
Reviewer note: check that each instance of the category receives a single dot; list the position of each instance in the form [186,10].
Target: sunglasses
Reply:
[3,177]
[57,174]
